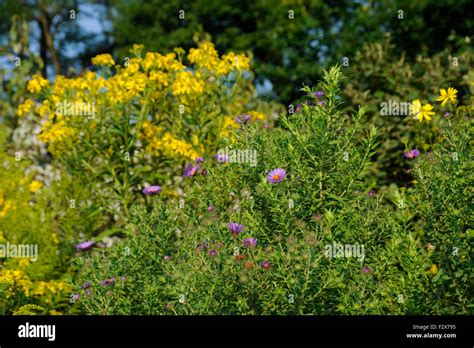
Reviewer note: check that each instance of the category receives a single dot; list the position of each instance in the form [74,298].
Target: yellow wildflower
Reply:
[6,206]
[434,269]
[37,84]
[257,116]
[35,186]
[25,107]
[136,83]
[166,143]
[56,134]
[449,95]
[422,112]
[137,49]
[228,124]
[16,279]
[103,59]
[187,83]
[205,56]
[415,106]
[240,62]
[160,78]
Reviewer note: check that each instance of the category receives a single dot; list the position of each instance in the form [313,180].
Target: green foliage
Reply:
[184,260]
[380,74]
[28,309]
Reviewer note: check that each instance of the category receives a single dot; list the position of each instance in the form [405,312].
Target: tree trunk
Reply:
[47,41]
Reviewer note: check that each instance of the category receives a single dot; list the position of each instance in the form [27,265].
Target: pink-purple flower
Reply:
[190,170]
[412,154]
[152,190]
[235,228]
[83,246]
[276,175]
[242,118]
[249,242]
[212,252]
[108,282]
[265,264]
[318,94]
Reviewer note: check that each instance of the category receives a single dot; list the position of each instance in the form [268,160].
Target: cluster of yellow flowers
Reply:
[56,133]
[16,280]
[161,84]
[42,288]
[5,206]
[424,112]
[103,59]
[25,107]
[37,84]
[161,142]
[206,57]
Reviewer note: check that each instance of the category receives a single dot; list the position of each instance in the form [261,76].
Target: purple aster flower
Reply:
[190,170]
[371,193]
[318,94]
[212,252]
[299,107]
[210,208]
[446,114]
[366,270]
[265,264]
[86,285]
[152,190]
[108,282]
[221,158]
[199,160]
[242,118]
[166,258]
[83,246]
[412,154]
[276,175]
[88,292]
[204,172]
[76,297]
[320,103]
[235,228]
[249,242]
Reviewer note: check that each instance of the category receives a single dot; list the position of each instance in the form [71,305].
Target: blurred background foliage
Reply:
[291,40]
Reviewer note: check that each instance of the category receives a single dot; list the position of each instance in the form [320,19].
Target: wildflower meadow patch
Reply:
[271,158]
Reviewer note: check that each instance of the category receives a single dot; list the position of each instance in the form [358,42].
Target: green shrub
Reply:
[183,259]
